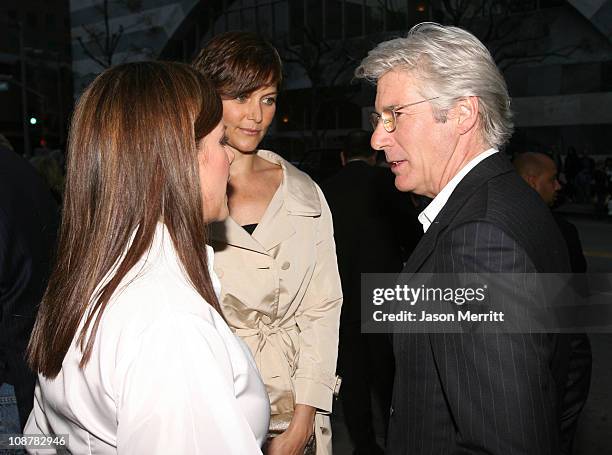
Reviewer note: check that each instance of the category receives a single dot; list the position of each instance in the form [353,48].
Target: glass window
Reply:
[520,6]
[418,11]
[296,21]
[552,3]
[265,19]
[375,13]
[281,18]
[581,78]
[32,19]
[333,19]
[314,17]
[396,14]
[606,76]
[249,20]
[353,23]
[233,20]
[50,21]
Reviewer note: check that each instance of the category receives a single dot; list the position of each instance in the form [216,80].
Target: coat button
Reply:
[266,319]
[285,265]
[219,273]
[391,411]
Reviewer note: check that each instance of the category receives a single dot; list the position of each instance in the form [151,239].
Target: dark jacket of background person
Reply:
[485,393]
[28,227]
[574,246]
[540,172]
[375,229]
[578,369]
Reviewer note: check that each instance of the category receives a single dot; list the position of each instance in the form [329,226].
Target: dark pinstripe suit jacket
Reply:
[481,393]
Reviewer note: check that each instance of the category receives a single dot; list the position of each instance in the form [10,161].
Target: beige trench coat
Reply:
[281,294]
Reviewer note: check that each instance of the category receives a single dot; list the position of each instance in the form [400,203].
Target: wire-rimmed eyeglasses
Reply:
[389,115]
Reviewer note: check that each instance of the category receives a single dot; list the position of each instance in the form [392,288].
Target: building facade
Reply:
[555,54]
[37,33]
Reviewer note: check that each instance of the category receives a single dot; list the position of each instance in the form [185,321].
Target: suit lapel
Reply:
[483,172]
[423,249]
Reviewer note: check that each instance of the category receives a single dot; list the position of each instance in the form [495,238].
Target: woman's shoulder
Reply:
[155,292]
[290,170]
[156,311]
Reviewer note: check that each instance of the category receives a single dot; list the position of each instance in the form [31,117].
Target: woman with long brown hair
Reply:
[275,253]
[133,353]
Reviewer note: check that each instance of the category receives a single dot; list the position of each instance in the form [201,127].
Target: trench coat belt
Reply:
[278,338]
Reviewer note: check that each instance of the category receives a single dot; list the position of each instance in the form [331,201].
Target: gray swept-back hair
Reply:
[449,63]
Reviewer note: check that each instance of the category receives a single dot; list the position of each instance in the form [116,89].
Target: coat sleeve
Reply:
[175,393]
[318,320]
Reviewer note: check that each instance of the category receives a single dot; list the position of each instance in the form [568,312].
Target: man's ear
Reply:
[531,181]
[343,159]
[466,113]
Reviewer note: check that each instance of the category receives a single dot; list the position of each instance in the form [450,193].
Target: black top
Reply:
[250,228]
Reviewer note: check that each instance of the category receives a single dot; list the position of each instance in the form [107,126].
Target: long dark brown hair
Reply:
[238,63]
[132,161]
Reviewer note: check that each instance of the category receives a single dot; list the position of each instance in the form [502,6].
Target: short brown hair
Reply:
[239,63]
[132,161]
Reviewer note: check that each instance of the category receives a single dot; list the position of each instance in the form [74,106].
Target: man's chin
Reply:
[402,185]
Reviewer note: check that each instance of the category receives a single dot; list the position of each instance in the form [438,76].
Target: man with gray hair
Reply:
[442,113]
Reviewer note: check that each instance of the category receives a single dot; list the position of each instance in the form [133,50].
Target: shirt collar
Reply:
[427,216]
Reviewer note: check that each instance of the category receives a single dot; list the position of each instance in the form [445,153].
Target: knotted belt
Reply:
[278,339]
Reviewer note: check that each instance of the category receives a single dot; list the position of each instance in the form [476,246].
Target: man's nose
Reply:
[380,138]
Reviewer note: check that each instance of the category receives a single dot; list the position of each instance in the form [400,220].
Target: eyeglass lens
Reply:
[387,117]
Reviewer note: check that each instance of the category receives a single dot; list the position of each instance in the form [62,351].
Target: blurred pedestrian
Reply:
[571,167]
[540,172]
[375,228]
[28,229]
[600,187]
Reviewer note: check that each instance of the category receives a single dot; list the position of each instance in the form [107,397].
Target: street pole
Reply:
[24,95]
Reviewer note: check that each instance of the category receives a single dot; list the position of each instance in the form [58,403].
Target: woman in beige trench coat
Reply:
[275,254]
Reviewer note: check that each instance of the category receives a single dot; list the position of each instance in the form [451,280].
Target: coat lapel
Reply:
[297,196]
[275,226]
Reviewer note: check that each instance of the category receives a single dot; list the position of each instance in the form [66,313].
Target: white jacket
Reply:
[166,374]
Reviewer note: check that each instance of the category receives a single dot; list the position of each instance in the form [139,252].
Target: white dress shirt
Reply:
[166,374]
[427,216]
